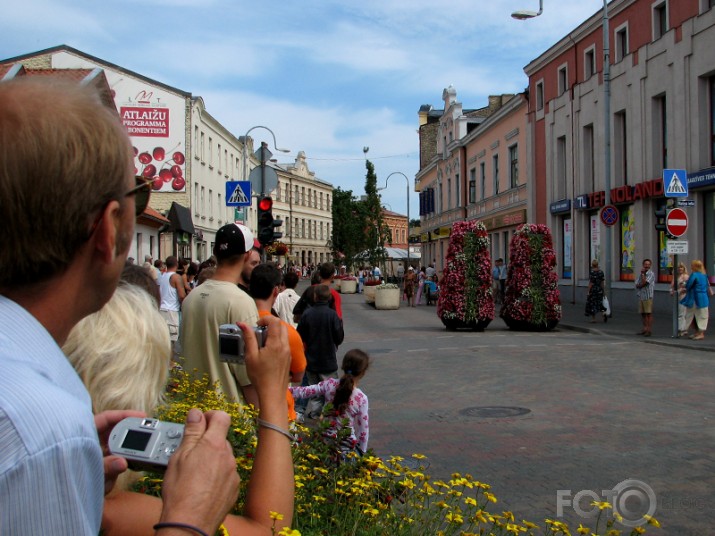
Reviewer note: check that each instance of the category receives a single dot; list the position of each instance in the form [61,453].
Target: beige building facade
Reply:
[470,170]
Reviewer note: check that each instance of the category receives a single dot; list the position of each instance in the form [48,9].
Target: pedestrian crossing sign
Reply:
[238,193]
[675,183]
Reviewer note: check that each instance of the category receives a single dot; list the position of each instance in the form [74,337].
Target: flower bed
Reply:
[369,495]
[532,301]
[465,296]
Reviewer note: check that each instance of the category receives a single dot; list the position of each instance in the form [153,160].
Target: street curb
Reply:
[659,342]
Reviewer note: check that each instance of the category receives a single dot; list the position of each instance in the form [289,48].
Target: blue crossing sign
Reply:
[238,193]
[675,183]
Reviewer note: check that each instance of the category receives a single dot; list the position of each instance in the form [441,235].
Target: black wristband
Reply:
[174,525]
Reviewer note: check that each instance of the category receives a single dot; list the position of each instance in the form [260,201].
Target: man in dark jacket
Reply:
[322,333]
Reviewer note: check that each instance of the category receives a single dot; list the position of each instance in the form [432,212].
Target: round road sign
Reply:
[676,222]
[609,215]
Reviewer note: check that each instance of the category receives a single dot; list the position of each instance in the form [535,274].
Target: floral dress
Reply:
[594,301]
[356,413]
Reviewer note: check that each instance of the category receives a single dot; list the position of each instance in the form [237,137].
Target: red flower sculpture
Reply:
[532,299]
[465,295]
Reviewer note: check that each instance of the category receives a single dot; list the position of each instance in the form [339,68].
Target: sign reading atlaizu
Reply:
[151,122]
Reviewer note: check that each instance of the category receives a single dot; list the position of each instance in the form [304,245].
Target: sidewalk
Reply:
[626,323]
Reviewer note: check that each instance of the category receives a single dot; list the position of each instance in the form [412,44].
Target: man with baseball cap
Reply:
[218,301]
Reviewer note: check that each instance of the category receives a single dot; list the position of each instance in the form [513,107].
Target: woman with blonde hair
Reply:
[697,300]
[680,282]
[122,351]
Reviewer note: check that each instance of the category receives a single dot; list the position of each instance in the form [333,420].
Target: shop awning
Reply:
[180,218]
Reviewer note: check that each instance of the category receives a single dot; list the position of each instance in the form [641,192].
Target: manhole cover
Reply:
[494,412]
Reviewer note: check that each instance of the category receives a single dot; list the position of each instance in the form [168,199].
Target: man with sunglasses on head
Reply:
[70,201]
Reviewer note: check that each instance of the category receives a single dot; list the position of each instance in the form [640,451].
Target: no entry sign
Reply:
[676,222]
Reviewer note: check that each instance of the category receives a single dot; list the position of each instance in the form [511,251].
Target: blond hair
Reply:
[122,352]
[64,156]
[697,266]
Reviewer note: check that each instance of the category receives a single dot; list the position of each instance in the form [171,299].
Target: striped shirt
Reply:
[51,472]
[645,286]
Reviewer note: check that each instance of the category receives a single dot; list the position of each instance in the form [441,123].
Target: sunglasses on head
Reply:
[141,193]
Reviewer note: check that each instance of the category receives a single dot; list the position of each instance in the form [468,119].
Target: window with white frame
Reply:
[589,62]
[211,152]
[495,173]
[482,180]
[540,95]
[472,185]
[660,19]
[514,166]
[621,42]
[563,79]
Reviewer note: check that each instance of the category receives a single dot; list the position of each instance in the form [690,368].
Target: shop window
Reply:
[566,248]
[628,243]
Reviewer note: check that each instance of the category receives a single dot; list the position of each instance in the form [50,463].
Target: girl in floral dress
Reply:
[349,402]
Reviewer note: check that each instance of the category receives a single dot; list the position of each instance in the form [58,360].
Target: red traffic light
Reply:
[265,204]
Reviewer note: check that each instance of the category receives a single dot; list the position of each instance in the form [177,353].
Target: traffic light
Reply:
[267,225]
[265,220]
[660,215]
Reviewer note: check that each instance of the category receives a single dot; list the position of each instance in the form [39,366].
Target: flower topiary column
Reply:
[532,301]
[465,294]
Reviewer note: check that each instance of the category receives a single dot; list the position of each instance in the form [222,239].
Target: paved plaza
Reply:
[583,407]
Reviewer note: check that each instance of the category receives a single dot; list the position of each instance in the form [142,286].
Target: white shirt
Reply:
[51,472]
[169,295]
[285,301]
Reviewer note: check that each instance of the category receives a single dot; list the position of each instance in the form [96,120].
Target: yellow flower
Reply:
[454,517]
[652,521]
[638,530]
[602,505]
[371,511]
[287,531]
[470,501]
[276,515]
[490,497]
[514,529]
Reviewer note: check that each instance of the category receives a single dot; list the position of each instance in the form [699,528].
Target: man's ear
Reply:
[276,291]
[107,231]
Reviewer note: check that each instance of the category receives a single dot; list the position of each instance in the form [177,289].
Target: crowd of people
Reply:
[86,339]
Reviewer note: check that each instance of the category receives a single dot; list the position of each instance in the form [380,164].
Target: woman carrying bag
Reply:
[697,300]
[594,301]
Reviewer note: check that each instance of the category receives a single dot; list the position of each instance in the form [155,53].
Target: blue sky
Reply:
[328,77]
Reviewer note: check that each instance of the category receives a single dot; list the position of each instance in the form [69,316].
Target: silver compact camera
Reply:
[147,444]
[231,347]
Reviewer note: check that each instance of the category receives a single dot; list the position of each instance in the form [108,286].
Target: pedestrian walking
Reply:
[596,286]
[680,282]
[645,287]
[410,279]
[697,300]
[421,278]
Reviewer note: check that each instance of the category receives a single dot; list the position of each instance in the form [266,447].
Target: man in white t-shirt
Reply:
[218,301]
[286,300]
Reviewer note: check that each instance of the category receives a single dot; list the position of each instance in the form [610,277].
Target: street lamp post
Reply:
[408,209]
[245,154]
[522,15]
[245,149]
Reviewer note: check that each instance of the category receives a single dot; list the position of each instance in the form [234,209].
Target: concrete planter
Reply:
[348,286]
[369,292]
[387,298]
[336,284]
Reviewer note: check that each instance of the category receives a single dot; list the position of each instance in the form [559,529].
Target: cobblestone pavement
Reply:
[602,405]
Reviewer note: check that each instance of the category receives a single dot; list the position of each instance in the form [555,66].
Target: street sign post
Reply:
[238,194]
[609,215]
[675,183]
[676,222]
[677,247]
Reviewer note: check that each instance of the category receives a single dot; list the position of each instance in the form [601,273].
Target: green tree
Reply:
[376,232]
[348,234]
